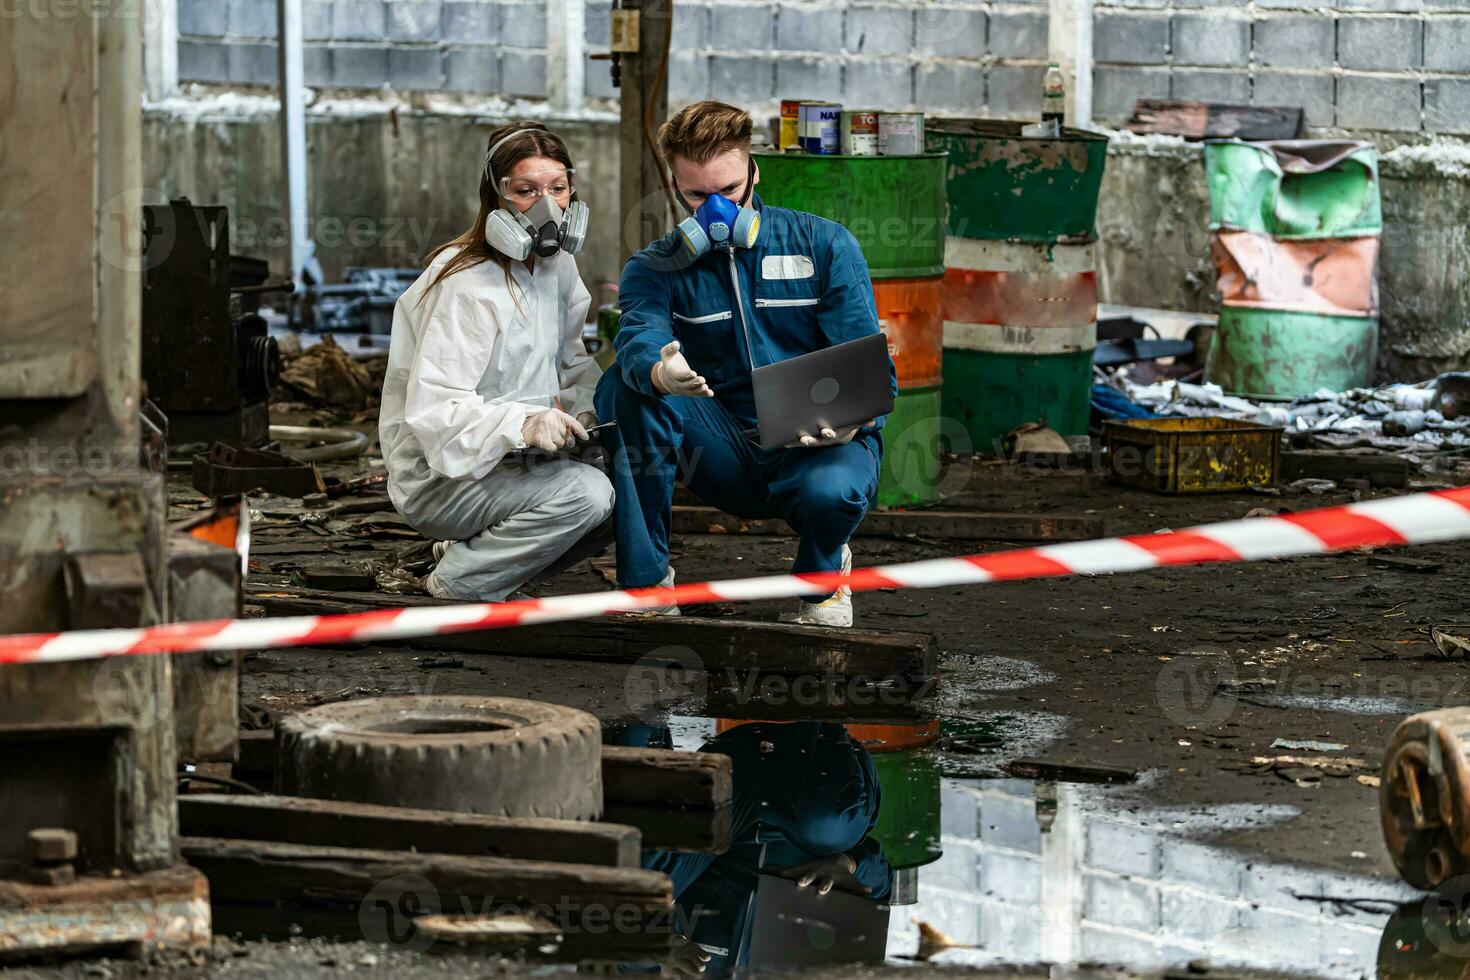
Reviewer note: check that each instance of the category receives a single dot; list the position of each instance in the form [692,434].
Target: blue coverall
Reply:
[801,790]
[804,287]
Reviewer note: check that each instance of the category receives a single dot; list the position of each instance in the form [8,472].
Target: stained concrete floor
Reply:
[1185,675]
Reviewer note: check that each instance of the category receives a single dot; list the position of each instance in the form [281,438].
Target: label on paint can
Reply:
[900,133]
[821,127]
[789,137]
[860,132]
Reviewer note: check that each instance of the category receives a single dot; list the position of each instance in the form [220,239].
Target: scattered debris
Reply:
[325,374]
[1070,772]
[933,941]
[1451,641]
[1308,745]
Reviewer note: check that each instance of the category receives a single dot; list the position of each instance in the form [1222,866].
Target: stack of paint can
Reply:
[894,206]
[1020,283]
[825,128]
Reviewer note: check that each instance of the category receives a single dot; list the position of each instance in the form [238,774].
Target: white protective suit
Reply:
[465,366]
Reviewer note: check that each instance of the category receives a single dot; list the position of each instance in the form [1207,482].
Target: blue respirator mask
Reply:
[721,223]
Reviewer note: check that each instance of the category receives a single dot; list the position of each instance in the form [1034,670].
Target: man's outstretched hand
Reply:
[672,375]
[831,437]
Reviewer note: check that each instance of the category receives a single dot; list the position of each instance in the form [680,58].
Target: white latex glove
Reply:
[825,873]
[672,375]
[549,429]
[831,437]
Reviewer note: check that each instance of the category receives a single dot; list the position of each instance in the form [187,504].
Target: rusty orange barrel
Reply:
[875,738]
[911,313]
[1020,327]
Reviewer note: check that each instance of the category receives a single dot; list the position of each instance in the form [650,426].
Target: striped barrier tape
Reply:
[1414,519]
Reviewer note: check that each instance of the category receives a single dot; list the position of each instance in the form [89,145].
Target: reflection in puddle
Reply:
[1010,871]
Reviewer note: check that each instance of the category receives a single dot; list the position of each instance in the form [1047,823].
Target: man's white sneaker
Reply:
[672,609]
[836,610]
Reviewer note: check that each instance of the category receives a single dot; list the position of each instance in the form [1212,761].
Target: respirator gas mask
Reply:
[721,223]
[544,228]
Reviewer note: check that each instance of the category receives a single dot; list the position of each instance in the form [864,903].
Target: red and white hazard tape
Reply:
[1416,519]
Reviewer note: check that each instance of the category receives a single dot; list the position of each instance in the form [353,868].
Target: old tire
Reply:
[499,756]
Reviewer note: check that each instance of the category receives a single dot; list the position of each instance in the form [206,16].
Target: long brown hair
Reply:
[532,139]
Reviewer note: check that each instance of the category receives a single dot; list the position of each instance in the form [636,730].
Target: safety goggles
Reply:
[527,188]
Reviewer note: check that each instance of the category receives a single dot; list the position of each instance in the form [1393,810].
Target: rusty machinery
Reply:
[1424,797]
[208,360]
[89,850]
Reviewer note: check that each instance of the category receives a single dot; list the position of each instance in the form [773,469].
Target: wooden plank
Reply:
[685,829]
[582,901]
[1379,469]
[953,525]
[717,644]
[1196,120]
[297,820]
[681,801]
[699,779]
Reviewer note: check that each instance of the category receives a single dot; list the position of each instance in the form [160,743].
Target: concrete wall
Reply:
[475,46]
[1381,65]
[1360,65]
[1104,886]
[965,58]
[1153,223]
[383,186]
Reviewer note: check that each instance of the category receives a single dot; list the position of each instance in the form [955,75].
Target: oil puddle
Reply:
[866,843]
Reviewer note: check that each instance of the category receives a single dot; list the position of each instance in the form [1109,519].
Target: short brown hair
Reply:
[704,130]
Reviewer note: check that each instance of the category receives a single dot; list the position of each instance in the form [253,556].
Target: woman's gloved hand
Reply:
[672,375]
[549,429]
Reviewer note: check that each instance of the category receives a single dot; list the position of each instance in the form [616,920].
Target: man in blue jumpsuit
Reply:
[680,391]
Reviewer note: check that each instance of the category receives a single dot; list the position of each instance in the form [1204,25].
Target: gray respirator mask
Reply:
[544,228]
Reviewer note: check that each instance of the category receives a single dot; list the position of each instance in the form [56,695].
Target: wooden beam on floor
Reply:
[672,778]
[681,801]
[1379,469]
[343,885]
[334,823]
[951,525]
[715,644]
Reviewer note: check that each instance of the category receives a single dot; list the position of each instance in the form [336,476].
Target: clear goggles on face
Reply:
[527,188]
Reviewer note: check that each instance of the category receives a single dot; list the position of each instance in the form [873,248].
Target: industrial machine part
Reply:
[500,756]
[1424,797]
[228,472]
[208,360]
[362,303]
[89,850]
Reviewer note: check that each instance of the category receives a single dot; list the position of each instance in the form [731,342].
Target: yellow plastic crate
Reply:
[1193,455]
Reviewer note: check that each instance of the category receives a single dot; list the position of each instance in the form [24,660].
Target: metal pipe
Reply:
[340,443]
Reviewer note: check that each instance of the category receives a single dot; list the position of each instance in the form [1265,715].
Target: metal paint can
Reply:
[900,133]
[860,132]
[789,138]
[821,127]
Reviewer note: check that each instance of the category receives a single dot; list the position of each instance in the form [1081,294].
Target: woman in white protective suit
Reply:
[486,360]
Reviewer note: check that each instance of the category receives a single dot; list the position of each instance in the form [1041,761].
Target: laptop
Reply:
[795,927]
[831,388]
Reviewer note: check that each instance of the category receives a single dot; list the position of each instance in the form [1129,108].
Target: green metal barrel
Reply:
[894,205]
[1020,283]
[1295,235]
[912,467]
[1002,187]
[908,819]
